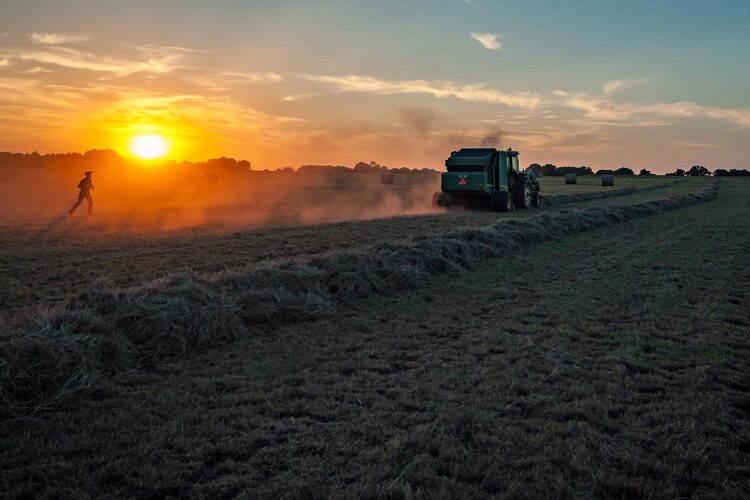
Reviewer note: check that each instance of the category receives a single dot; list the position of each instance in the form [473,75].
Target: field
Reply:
[587,348]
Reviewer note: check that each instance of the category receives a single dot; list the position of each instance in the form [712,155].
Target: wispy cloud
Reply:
[697,145]
[488,40]
[59,38]
[259,77]
[468,92]
[615,85]
[298,97]
[155,60]
[223,81]
[605,109]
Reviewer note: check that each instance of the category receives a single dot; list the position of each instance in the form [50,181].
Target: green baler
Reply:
[489,177]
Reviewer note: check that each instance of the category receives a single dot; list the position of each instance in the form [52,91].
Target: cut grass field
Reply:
[42,265]
[608,363]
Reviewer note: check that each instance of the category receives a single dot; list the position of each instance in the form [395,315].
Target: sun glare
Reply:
[149,147]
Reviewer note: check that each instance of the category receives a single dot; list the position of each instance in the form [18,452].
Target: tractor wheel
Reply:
[536,199]
[523,195]
[502,201]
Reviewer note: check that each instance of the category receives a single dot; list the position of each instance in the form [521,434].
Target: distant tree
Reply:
[644,172]
[624,171]
[549,169]
[583,170]
[731,173]
[677,173]
[536,168]
[698,171]
[605,171]
[369,167]
[222,163]
[244,165]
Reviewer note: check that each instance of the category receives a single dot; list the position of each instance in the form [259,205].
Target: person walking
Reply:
[86,186]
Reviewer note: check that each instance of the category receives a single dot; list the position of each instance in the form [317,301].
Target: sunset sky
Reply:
[655,84]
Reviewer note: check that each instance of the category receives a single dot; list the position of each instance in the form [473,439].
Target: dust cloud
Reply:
[151,200]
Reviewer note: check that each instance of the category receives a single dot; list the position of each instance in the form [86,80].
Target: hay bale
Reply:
[608,180]
[571,179]
[386,178]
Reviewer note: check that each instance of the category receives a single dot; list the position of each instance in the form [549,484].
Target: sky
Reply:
[658,84]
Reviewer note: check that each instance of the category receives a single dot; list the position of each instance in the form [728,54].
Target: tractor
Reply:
[486,177]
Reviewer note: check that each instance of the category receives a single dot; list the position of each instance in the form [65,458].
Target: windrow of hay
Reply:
[106,331]
[559,199]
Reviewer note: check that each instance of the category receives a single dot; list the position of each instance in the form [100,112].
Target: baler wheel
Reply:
[502,201]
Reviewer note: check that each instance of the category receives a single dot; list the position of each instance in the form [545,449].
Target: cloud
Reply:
[488,40]
[59,38]
[298,97]
[223,80]
[614,85]
[155,60]
[605,109]
[35,70]
[259,77]
[468,92]
[697,145]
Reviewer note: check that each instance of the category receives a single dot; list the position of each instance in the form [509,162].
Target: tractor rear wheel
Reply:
[441,200]
[536,199]
[502,201]
[523,194]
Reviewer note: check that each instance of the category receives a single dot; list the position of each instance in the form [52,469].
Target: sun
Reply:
[149,147]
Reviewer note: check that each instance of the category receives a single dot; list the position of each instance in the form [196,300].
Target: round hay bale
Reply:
[608,180]
[386,178]
[571,179]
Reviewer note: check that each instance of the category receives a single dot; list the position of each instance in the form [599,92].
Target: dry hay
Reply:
[107,331]
[571,179]
[608,180]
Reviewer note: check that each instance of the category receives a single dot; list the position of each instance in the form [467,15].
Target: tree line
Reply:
[549,169]
[97,159]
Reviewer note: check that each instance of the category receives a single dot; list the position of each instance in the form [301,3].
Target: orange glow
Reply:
[149,147]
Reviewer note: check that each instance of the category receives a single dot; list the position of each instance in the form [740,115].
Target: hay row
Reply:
[559,199]
[105,331]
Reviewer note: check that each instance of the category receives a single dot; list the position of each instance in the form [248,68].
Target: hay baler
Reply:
[487,177]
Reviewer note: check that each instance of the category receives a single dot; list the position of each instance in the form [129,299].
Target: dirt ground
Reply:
[613,363]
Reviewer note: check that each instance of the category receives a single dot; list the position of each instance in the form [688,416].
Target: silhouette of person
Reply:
[86,186]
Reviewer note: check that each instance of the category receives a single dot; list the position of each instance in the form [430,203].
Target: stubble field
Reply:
[605,358]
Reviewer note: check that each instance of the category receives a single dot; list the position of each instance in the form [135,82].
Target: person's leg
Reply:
[77,204]
[90,199]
